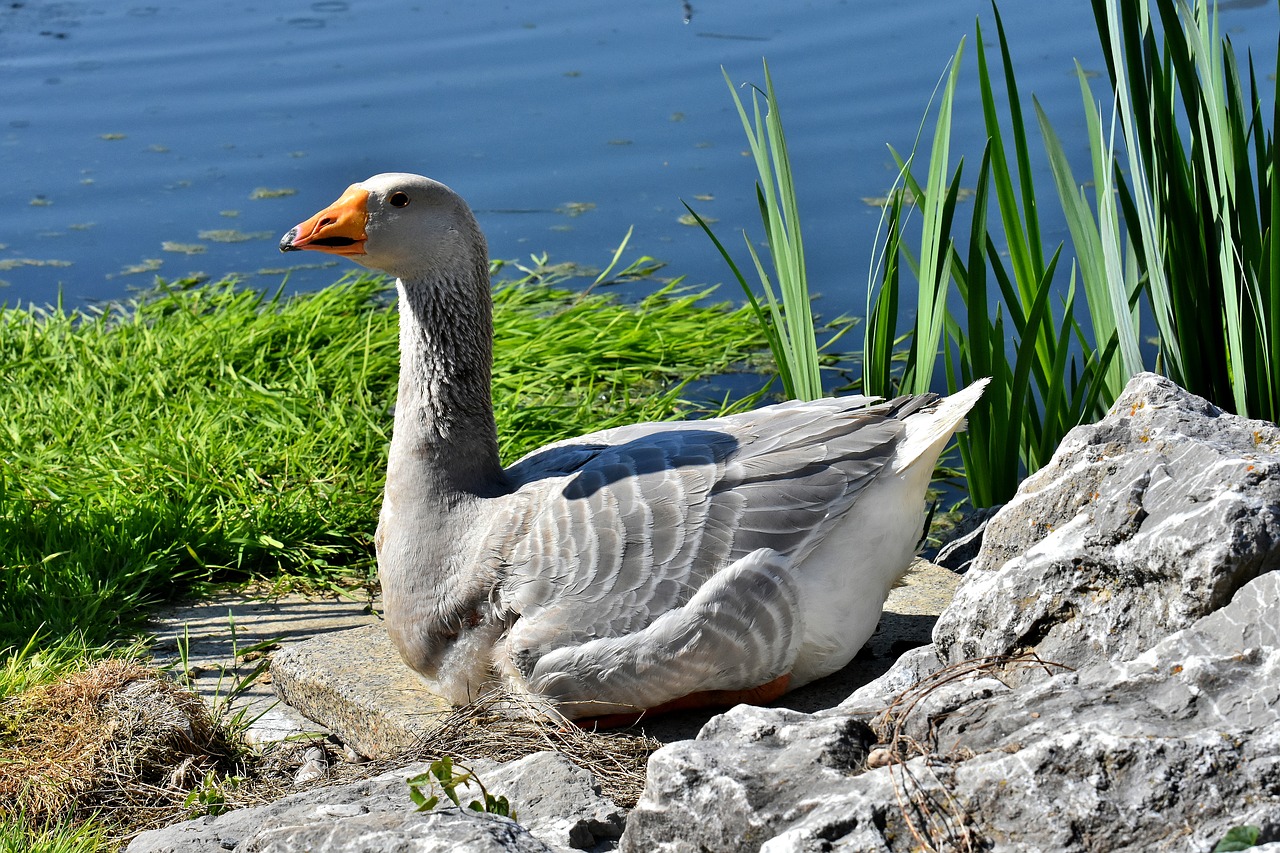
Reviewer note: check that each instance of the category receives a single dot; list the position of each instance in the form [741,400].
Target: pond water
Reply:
[165,139]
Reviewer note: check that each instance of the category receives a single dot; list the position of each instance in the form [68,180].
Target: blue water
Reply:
[130,132]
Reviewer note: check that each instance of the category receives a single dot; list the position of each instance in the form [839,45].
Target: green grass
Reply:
[210,433]
[17,835]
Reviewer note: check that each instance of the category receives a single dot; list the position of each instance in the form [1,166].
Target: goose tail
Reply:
[929,431]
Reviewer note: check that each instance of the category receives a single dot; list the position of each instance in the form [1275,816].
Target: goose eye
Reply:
[399,199]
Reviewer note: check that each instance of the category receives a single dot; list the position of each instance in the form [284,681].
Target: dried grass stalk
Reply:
[934,817]
[502,727]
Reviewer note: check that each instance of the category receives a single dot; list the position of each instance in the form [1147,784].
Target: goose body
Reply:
[629,569]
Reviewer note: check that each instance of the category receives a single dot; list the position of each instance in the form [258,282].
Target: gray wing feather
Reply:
[740,629]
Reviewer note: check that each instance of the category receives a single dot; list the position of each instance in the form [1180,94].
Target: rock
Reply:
[732,788]
[355,684]
[961,548]
[404,832]
[558,806]
[557,800]
[1142,558]
[1134,756]
[314,767]
[1141,524]
[910,669]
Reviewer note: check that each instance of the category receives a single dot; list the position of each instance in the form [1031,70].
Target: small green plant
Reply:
[641,267]
[1238,838]
[228,688]
[210,797]
[449,777]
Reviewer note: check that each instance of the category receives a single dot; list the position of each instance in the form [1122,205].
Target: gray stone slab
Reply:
[218,630]
[370,815]
[355,684]
[557,804]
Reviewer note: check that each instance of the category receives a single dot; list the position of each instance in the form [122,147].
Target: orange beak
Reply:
[339,229]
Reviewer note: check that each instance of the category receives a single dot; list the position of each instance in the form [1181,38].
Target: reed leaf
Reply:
[937,201]
[788,312]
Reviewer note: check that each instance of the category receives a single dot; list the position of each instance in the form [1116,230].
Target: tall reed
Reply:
[917,349]
[1186,192]
[1009,332]
[1198,194]
[1056,377]
[786,315]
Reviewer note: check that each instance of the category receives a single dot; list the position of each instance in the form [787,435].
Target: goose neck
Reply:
[444,425]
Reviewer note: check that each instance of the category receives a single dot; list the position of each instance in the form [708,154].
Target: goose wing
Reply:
[606,533]
[741,629]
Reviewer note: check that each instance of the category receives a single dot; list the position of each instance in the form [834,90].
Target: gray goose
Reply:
[635,569]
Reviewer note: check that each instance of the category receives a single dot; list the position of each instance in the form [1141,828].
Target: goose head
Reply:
[408,226]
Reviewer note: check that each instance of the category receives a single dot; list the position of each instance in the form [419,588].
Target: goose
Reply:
[633,570]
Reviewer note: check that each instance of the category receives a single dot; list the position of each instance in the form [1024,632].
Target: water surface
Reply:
[173,138]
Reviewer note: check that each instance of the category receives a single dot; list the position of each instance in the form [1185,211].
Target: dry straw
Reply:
[121,742]
[934,817]
[502,727]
